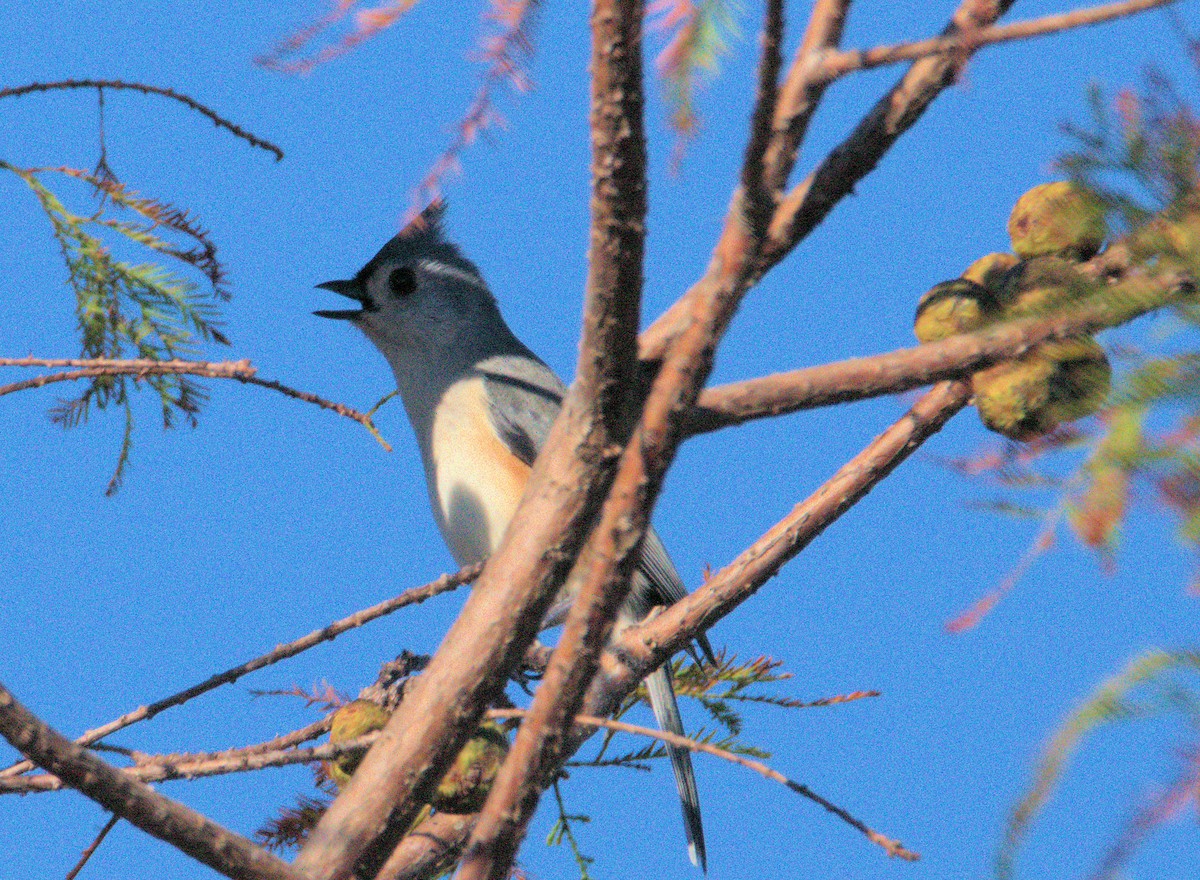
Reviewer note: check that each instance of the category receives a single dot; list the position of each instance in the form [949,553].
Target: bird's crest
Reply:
[422,240]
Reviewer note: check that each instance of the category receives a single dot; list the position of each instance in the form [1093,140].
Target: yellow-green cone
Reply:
[957,306]
[1060,219]
[1013,398]
[1055,383]
[1082,378]
[990,269]
[1039,287]
[351,721]
[466,784]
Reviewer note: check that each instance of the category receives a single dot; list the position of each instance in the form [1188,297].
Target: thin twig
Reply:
[444,584]
[275,744]
[170,821]
[191,103]
[340,408]
[893,847]
[165,768]
[1041,544]
[159,768]
[506,55]
[243,371]
[838,64]
[93,846]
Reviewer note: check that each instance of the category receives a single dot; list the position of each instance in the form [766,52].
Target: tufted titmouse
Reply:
[481,404]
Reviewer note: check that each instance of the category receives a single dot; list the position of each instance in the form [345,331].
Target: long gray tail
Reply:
[666,711]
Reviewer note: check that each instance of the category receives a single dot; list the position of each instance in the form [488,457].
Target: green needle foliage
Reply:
[561,832]
[129,309]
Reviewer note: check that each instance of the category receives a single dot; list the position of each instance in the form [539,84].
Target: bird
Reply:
[481,405]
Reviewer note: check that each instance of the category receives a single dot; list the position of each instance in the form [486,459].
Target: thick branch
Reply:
[644,647]
[430,850]
[202,839]
[568,481]
[618,210]
[1129,292]
[602,576]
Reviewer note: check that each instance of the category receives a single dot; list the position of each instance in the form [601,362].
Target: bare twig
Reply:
[91,367]
[242,371]
[411,596]
[340,408]
[897,111]
[838,64]
[506,55]
[93,846]
[164,768]
[1041,544]
[157,768]
[893,847]
[190,103]
[201,838]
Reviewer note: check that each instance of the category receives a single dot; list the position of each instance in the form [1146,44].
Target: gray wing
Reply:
[524,397]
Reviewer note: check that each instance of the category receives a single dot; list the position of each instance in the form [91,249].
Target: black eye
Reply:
[402,282]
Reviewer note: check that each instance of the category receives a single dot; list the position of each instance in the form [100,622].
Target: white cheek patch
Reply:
[454,273]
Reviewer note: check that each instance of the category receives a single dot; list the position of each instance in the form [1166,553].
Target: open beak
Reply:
[349,289]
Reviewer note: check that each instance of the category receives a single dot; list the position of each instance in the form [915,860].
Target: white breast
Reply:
[476,481]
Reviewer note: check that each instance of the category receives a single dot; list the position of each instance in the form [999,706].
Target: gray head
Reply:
[419,297]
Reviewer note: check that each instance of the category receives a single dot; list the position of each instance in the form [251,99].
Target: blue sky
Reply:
[273,518]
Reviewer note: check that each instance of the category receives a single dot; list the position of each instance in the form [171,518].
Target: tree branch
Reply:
[1126,291]
[93,846]
[202,839]
[165,768]
[601,579]
[190,103]
[893,847]
[615,270]
[644,647]
[568,481]
[838,64]
[807,204]
[429,850]
[802,89]
[243,371]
